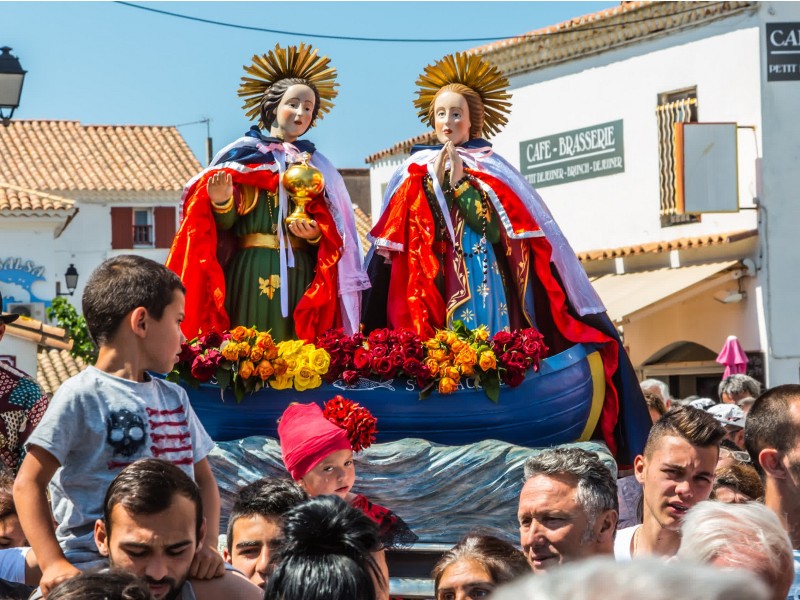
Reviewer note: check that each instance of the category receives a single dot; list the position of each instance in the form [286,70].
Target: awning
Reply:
[628,293]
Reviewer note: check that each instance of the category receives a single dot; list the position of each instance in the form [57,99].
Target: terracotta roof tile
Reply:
[44,335]
[403,147]
[15,200]
[590,34]
[66,155]
[55,367]
[666,246]
[363,226]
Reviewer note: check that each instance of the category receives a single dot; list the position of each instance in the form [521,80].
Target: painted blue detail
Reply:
[549,407]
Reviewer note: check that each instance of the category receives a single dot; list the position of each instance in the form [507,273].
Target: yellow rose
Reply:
[239,333]
[264,370]
[481,333]
[320,360]
[256,354]
[230,351]
[291,366]
[452,373]
[246,369]
[441,336]
[467,370]
[281,382]
[280,366]
[487,360]
[289,347]
[447,385]
[452,338]
[306,379]
[432,344]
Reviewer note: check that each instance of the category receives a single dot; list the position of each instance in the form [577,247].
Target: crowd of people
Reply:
[715,490]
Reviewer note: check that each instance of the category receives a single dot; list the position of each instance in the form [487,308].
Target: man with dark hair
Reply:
[152,526]
[772,438]
[255,524]
[676,472]
[567,508]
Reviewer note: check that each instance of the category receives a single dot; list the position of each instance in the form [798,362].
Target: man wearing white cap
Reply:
[732,418]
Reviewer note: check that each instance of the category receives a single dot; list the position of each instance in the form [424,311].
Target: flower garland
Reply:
[249,360]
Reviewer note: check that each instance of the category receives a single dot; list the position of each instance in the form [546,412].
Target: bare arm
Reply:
[33,509]
[208,562]
[33,574]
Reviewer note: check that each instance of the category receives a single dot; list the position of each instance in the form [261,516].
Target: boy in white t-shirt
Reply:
[106,417]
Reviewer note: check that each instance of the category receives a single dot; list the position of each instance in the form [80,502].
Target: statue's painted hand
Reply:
[456,164]
[308,230]
[220,187]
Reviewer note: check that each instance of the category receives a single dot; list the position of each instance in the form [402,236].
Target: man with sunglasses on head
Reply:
[772,438]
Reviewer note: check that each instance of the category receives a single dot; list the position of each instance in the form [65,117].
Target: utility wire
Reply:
[404,40]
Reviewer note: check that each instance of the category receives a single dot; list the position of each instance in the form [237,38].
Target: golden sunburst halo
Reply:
[300,62]
[475,73]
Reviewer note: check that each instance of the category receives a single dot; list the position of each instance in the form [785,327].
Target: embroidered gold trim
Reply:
[267,240]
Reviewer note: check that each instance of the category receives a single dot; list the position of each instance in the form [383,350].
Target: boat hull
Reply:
[559,404]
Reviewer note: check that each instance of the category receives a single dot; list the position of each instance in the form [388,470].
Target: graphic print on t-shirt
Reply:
[166,431]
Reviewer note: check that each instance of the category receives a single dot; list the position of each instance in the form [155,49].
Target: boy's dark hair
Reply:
[696,426]
[325,554]
[269,497]
[108,584]
[147,487]
[769,423]
[500,559]
[122,284]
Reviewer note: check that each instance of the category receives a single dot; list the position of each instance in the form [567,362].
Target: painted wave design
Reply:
[442,492]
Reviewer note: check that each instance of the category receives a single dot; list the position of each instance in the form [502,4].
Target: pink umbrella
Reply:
[733,357]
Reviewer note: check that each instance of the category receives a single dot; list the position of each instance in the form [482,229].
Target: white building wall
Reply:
[720,59]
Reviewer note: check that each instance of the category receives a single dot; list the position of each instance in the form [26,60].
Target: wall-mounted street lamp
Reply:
[11,77]
[71,277]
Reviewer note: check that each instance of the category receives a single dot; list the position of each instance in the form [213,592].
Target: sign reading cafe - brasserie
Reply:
[593,151]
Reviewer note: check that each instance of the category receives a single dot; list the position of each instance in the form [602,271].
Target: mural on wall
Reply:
[17,277]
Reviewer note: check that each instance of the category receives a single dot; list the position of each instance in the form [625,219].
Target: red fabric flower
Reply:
[356,420]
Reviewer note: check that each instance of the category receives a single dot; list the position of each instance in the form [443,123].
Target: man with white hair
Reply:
[657,387]
[746,537]
[736,387]
[646,579]
[567,508]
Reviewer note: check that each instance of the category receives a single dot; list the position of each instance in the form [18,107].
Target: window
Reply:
[142,227]
[673,107]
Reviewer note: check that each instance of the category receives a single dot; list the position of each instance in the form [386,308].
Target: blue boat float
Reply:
[561,403]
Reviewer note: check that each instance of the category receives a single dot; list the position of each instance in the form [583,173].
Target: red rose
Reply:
[517,361]
[407,336]
[210,339]
[379,350]
[413,367]
[397,358]
[188,353]
[203,368]
[362,359]
[502,338]
[379,336]
[513,377]
[384,367]
[350,377]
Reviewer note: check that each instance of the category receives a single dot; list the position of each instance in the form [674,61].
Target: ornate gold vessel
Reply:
[302,182]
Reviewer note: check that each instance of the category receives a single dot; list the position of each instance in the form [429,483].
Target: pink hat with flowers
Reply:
[308,435]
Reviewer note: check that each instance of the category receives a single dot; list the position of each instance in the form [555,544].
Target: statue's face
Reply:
[451,118]
[293,116]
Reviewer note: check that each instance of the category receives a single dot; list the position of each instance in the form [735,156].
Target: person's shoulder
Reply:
[622,542]
[230,585]
[170,388]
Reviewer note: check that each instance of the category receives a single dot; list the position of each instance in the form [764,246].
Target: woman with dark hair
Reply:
[326,554]
[242,257]
[475,566]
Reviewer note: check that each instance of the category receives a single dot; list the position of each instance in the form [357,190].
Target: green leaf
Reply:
[491,385]
[425,392]
[460,328]
[223,377]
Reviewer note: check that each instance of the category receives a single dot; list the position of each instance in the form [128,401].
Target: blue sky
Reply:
[106,63]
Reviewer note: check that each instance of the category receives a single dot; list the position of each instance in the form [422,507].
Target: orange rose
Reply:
[431,344]
[487,360]
[432,364]
[438,355]
[239,333]
[467,370]
[452,338]
[447,385]
[458,345]
[264,370]
[452,373]
[244,350]
[264,341]
[467,356]
[481,333]
[246,369]
[441,336]
[256,354]
[280,366]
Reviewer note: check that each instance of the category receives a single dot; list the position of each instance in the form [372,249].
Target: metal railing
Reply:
[142,235]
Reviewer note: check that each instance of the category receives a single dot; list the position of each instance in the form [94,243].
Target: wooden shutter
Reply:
[121,227]
[164,217]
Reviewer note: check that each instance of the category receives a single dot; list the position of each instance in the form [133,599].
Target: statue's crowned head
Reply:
[482,86]
[271,75]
